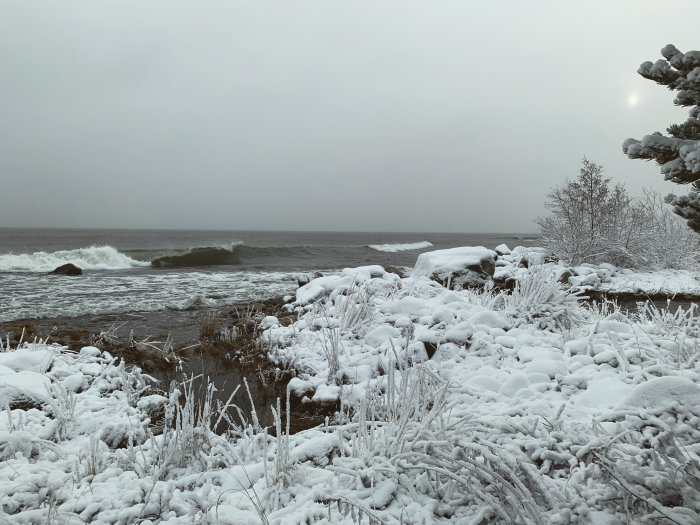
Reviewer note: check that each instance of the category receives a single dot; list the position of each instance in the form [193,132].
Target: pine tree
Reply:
[679,154]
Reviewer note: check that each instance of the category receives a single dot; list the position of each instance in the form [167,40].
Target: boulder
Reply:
[532,256]
[458,268]
[564,275]
[502,249]
[67,269]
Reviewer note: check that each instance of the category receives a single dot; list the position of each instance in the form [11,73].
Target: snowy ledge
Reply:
[463,406]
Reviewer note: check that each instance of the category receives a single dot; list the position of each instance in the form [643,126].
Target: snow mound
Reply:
[657,394]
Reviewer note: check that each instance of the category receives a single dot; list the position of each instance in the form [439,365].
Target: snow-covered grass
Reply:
[457,406]
[539,299]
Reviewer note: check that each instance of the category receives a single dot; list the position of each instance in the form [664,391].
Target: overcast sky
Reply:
[323,115]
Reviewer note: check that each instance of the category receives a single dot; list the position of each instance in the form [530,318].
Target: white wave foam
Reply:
[92,258]
[392,248]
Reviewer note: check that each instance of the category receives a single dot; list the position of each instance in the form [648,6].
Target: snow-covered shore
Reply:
[460,406]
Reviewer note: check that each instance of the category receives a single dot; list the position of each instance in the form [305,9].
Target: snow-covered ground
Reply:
[603,277]
[459,406]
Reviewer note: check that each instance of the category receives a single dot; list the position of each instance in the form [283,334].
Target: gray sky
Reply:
[323,115]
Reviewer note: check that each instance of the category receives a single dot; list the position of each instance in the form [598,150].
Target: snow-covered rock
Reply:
[457,268]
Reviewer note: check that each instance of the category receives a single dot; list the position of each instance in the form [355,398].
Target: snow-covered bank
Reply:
[604,278]
[461,406]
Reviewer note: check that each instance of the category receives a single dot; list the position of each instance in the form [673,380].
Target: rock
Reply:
[398,270]
[502,249]
[607,357]
[430,348]
[457,268]
[67,269]
[531,256]
[307,278]
[505,283]
[564,276]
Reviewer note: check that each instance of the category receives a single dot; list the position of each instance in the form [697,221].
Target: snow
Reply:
[604,278]
[452,260]
[669,282]
[16,386]
[269,321]
[502,249]
[31,358]
[510,420]
[655,394]
[380,335]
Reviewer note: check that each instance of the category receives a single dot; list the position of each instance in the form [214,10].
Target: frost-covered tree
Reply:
[592,220]
[679,154]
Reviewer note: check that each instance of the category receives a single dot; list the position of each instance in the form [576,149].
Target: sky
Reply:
[452,116]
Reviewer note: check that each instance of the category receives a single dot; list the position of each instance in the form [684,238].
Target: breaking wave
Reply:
[92,258]
[237,254]
[393,248]
[205,256]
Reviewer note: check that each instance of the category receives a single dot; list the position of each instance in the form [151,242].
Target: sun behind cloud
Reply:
[633,99]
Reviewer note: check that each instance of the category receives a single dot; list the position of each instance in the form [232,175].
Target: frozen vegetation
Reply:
[458,405]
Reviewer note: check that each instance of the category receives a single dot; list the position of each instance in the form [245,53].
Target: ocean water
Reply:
[127,272]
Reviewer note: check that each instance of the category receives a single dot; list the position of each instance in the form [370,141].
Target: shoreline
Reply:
[183,325]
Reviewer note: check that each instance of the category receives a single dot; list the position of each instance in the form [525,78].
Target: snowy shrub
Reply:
[673,336]
[210,324]
[667,242]
[61,403]
[188,430]
[593,222]
[283,462]
[354,310]
[604,309]
[330,341]
[539,299]
[487,298]
[650,463]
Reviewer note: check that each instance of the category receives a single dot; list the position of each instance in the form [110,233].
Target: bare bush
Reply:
[668,242]
[593,221]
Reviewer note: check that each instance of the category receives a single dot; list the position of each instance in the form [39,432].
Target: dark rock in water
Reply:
[401,272]
[307,278]
[67,269]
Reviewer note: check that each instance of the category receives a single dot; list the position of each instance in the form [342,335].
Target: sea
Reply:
[161,280]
